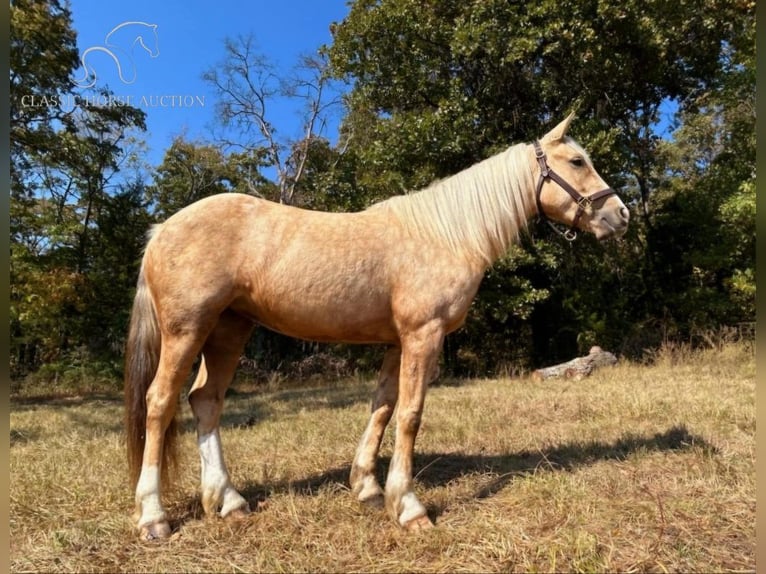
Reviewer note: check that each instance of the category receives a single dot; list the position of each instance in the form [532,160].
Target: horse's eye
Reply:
[577,161]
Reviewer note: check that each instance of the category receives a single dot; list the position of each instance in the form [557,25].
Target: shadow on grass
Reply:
[76,409]
[247,408]
[242,409]
[22,403]
[566,457]
[440,469]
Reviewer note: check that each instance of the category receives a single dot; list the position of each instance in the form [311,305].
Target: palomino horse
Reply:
[402,273]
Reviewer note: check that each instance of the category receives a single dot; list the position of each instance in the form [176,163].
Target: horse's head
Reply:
[570,190]
[150,43]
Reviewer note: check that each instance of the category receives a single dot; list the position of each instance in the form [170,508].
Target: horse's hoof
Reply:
[238,514]
[155,531]
[418,524]
[374,501]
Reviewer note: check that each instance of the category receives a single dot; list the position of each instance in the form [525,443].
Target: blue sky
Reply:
[189,40]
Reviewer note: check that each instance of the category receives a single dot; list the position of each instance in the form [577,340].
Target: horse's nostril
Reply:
[624,213]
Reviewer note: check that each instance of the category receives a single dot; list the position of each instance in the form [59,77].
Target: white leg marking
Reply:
[369,488]
[148,496]
[411,508]
[408,506]
[217,489]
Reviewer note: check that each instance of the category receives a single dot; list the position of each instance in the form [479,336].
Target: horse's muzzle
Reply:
[612,224]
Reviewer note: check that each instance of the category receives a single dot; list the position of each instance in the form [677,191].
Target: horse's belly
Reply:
[322,316]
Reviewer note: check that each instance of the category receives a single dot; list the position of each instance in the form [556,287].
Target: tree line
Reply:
[665,94]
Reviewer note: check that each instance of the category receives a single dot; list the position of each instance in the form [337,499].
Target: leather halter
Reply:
[582,202]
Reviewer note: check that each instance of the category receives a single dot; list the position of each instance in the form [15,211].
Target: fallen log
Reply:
[577,368]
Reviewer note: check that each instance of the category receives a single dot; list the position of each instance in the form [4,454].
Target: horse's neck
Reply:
[477,213]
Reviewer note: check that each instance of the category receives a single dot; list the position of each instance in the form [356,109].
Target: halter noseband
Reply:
[582,202]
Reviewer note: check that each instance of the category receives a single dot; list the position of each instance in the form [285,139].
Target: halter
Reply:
[582,202]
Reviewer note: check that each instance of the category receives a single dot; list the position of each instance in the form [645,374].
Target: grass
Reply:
[636,468]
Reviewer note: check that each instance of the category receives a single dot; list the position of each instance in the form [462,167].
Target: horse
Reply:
[401,273]
[118,45]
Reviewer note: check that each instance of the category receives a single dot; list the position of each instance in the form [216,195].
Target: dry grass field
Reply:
[636,468]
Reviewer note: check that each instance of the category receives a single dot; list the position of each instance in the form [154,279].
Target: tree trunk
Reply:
[577,368]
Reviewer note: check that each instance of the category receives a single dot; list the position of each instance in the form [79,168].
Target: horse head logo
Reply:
[119,45]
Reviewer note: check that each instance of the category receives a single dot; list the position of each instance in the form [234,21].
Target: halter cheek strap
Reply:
[583,203]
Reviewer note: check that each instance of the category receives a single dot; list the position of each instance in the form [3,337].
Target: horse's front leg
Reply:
[420,352]
[363,482]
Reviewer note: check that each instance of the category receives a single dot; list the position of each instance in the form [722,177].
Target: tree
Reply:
[42,56]
[449,81]
[123,220]
[65,155]
[247,84]
[191,171]
[703,222]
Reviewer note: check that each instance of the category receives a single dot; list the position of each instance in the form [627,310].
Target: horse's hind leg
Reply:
[176,360]
[363,482]
[220,356]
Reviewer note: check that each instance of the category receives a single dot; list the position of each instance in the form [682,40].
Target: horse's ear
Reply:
[560,130]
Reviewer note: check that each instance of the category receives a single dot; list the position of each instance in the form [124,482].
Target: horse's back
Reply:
[286,267]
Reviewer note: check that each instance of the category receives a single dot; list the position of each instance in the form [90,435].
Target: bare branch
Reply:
[247,85]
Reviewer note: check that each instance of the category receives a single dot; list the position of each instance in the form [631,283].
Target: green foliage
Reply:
[62,307]
[449,80]
[69,289]
[191,171]
[701,233]
[329,181]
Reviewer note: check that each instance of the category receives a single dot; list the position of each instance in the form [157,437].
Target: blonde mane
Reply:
[479,211]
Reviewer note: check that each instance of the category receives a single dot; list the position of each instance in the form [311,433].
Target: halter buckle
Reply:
[541,160]
[569,234]
[583,202]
